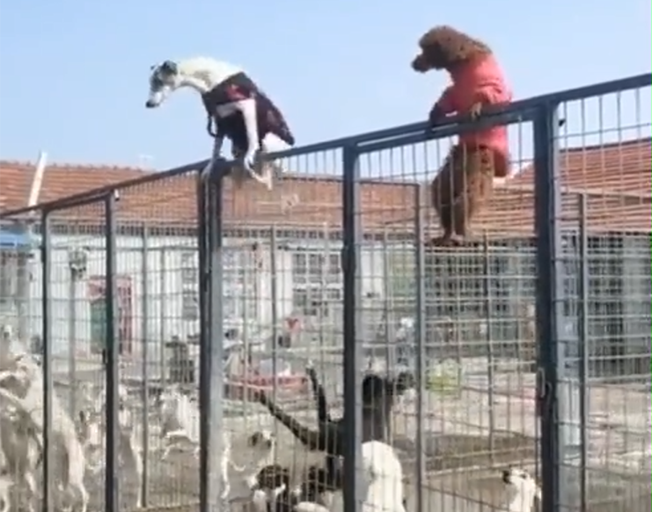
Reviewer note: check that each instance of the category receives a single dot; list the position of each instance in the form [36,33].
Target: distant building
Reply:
[158,269]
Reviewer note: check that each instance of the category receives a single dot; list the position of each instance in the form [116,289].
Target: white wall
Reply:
[159,315]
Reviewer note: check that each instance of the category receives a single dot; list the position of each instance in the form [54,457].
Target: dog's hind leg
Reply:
[481,165]
[442,196]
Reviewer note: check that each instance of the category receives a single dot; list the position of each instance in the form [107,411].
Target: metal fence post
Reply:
[46,361]
[211,378]
[112,361]
[276,332]
[352,235]
[584,340]
[549,305]
[23,291]
[145,335]
[420,335]
[204,329]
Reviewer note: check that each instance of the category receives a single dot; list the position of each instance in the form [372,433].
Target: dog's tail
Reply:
[320,395]
[310,438]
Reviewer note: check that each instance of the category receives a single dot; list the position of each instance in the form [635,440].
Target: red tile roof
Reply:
[616,178]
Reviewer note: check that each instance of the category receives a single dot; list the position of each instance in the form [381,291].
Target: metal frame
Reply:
[542,110]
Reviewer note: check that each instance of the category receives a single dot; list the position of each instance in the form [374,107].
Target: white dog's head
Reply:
[521,488]
[163,80]
[263,439]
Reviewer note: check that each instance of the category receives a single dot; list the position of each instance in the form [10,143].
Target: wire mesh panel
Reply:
[281,297]
[604,362]
[158,313]
[385,266]
[114,300]
[459,316]
[17,244]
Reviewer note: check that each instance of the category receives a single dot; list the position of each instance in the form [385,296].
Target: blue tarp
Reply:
[9,240]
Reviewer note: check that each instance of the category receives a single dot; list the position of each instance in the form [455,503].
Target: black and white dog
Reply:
[237,108]
[378,398]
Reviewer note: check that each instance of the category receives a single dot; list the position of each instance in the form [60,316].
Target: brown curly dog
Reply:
[464,184]
[444,47]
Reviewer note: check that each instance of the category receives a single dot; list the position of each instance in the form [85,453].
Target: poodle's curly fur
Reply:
[443,47]
[464,186]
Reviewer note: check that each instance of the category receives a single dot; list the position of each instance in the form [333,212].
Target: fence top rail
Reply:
[101,192]
[551,99]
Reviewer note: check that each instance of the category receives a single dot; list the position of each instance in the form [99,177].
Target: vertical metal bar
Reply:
[46,362]
[165,335]
[583,332]
[353,356]
[549,307]
[204,332]
[111,480]
[72,335]
[387,303]
[273,264]
[145,334]
[23,287]
[420,335]
[323,294]
[211,355]
[491,376]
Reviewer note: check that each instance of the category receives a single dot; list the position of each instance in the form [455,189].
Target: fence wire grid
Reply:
[528,345]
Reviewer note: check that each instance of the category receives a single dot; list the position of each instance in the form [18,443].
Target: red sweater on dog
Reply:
[475,81]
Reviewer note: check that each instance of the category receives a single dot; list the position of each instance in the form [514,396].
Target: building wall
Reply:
[158,283]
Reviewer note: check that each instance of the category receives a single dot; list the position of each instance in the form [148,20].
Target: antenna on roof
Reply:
[37,180]
[145,161]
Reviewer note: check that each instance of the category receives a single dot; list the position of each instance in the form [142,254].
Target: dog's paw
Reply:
[310,366]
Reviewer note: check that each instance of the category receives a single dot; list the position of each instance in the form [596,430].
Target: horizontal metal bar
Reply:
[623,84]
[447,130]
[555,98]
[72,202]
[98,192]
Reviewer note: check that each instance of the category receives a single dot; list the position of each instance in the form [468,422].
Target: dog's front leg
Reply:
[250,161]
[224,469]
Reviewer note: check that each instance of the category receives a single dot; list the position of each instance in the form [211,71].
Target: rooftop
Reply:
[616,178]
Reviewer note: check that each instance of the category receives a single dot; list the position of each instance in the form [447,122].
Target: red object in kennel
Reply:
[266,382]
[235,388]
[293,325]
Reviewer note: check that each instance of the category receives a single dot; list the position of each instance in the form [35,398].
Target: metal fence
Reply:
[529,346]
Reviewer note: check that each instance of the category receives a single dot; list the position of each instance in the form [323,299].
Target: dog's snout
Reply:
[420,64]
[150,104]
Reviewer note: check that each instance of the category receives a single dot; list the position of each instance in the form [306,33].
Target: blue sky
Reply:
[74,74]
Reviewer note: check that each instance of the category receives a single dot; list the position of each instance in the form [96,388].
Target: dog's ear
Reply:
[169,67]
[255,439]
[404,381]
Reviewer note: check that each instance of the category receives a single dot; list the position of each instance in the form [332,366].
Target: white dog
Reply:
[180,420]
[6,483]
[521,489]
[241,110]
[21,387]
[382,481]
[23,452]
[93,435]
